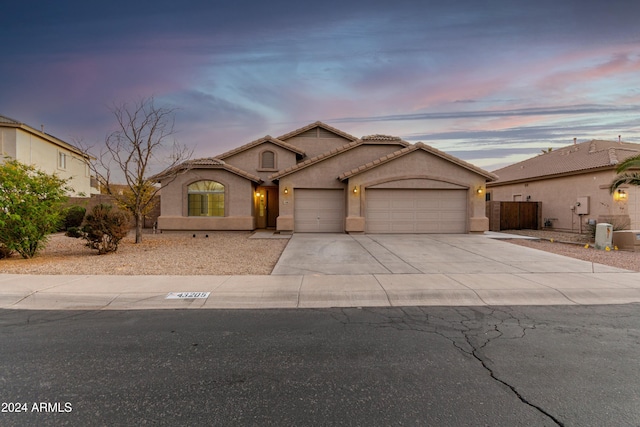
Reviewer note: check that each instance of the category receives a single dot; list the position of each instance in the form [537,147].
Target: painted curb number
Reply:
[187,295]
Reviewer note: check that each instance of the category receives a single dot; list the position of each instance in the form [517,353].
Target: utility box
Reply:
[627,240]
[582,206]
[604,236]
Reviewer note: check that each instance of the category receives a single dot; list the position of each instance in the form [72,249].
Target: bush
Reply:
[75,232]
[4,252]
[616,223]
[74,216]
[104,228]
[30,207]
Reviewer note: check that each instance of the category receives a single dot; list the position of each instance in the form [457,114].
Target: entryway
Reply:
[268,208]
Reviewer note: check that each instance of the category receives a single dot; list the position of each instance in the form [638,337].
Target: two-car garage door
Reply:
[386,211]
[416,211]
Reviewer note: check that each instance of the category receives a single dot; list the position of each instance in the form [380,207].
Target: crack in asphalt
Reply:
[470,331]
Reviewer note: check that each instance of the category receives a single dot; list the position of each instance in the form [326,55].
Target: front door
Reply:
[272,206]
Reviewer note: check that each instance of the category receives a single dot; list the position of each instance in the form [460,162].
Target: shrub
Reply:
[74,215]
[4,252]
[104,228]
[616,223]
[30,207]
[75,232]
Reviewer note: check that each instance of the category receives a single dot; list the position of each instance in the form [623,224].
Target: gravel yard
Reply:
[222,253]
[234,253]
[573,245]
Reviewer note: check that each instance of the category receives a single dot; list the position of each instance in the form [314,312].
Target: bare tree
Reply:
[142,141]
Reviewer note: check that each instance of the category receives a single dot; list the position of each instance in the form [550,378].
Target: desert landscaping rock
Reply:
[222,253]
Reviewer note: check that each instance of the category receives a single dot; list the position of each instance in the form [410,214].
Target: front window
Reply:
[206,198]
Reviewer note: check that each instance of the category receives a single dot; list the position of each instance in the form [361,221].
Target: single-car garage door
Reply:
[318,211]
[416,211]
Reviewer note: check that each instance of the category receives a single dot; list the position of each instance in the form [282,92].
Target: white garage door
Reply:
[318,211]
[416,211]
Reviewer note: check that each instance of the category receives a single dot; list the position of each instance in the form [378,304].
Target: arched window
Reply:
[268,160]
[205,198]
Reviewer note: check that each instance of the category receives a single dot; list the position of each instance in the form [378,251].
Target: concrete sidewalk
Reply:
[317,291]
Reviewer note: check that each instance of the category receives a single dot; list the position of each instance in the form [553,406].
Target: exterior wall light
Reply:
[355,189]
[286,190]
[257,193]
[479,190]
[621,195]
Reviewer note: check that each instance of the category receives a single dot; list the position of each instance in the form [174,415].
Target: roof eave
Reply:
[552,176]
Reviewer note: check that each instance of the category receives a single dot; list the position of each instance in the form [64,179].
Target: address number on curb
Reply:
[187,295]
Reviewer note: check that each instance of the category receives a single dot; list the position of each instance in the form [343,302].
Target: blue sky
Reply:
[492,82]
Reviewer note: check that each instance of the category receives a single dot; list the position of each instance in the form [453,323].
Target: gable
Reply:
[416,159]
[317,138]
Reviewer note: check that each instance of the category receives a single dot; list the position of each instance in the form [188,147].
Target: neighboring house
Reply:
[573,185]
[321,179]
[47,153]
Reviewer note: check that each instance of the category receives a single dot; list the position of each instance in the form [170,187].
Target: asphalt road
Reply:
[500,366]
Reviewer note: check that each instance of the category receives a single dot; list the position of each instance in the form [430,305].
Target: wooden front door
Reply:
[272,206]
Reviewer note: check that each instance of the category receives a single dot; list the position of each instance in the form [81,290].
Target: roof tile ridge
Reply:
[613,156]
[317,123]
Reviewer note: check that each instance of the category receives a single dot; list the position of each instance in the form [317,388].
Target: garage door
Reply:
[318,211]
[416,211]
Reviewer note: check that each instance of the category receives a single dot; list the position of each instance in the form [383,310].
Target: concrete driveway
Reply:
[343,254]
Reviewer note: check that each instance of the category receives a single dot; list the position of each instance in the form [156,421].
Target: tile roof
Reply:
[575,158]
[378,137]
[328,154]
[206,163]
[410,149]
[257,142]
[317,124]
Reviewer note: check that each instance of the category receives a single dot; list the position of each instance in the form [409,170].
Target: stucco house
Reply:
[321,179]
[573,185]
[46,152]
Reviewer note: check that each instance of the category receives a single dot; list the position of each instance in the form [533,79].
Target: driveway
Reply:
[344,254]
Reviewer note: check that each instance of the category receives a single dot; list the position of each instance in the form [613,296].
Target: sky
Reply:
[491,82]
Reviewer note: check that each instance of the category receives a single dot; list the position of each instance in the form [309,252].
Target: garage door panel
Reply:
[416,211]
[401,204]
[429,204]
[319,211]
[427,216]
[402,216]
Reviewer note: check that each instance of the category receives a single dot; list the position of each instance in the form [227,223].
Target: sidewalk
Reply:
[34,292]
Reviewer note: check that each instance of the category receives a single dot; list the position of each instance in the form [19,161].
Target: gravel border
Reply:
[577,246]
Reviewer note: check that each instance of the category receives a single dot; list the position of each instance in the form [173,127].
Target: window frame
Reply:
[62,160]
[261,162]
[208,203]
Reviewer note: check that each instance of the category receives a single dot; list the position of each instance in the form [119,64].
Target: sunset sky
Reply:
[492,82]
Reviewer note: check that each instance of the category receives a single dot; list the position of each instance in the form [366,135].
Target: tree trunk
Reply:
[139,221]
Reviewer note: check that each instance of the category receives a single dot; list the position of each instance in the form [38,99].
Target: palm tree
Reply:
[625,177]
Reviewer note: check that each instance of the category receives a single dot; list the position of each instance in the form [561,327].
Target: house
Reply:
[573,185]
[321,179]
[46,152]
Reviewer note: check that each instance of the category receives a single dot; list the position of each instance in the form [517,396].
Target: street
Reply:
[437,366]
